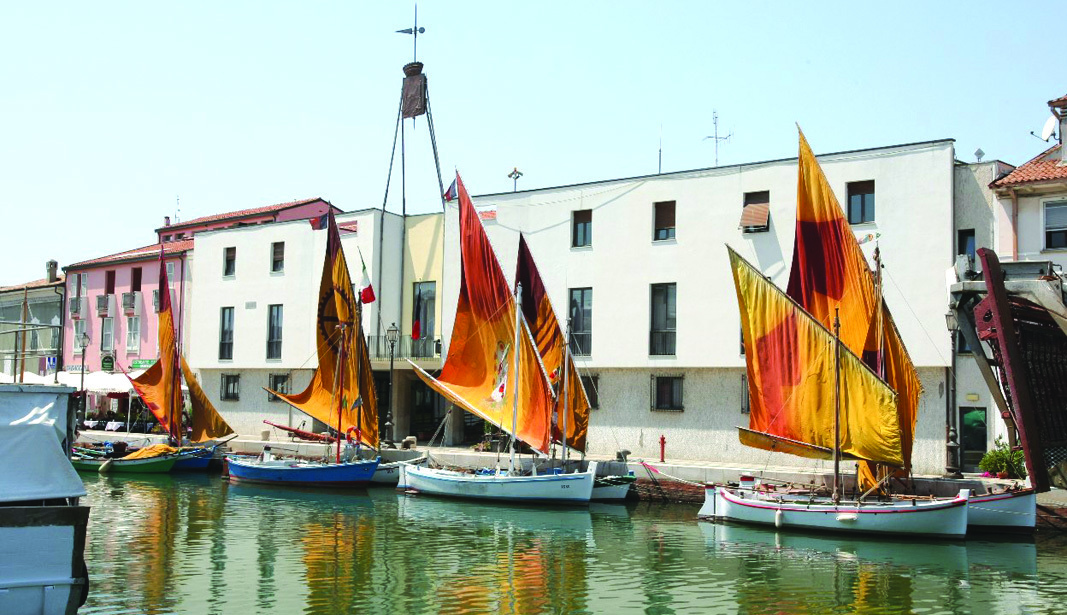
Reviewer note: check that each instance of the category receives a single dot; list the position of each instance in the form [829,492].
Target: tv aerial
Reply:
[715,136]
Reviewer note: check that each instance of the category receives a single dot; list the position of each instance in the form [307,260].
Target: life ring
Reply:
[348,434]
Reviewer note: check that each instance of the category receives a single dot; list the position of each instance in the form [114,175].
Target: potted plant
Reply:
[1003,462]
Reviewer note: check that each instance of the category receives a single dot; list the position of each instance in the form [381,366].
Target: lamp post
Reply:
[392,334]
[952,445]
[84,341]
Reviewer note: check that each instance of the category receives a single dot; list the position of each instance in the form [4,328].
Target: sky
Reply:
[116,114]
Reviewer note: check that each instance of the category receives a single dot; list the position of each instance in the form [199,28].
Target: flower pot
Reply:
[1002,474]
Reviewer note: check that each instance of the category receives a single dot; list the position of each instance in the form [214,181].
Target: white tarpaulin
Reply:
[35,404]
[36,467]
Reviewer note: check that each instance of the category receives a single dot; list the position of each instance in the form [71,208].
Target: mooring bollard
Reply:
[662,446]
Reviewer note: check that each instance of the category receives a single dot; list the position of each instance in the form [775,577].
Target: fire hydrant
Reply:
[662,447]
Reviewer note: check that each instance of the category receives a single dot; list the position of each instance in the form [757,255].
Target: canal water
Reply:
[196,544]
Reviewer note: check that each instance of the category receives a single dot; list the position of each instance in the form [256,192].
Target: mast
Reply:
[880,368]
[340,389]
[837,407]
[515,382]
[566,372]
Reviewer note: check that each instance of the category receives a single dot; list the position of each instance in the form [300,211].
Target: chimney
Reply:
[166,220]
[52,267]
[1059,109]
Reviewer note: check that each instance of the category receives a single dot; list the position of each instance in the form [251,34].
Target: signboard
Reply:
[50,363]
[73,369]
[142,363]
[107,363]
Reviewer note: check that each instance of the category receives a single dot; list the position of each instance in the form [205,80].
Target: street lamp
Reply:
[392,334]
[83,340]
[952,445]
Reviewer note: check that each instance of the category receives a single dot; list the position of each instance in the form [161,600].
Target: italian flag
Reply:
[366,290]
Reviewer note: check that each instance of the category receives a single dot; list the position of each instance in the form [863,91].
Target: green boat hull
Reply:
[152,465]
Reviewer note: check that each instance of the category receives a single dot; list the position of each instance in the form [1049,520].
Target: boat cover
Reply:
[43,469]
[33,404]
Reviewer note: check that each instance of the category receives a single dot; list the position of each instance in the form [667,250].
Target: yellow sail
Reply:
[478,371]
[207,423]
[790,359]
[159,386]
[341,393]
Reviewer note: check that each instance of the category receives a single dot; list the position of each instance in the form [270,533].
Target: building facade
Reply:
[31,325]
[640,267]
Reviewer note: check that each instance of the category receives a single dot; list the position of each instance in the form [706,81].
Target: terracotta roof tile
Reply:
[170,248]
[239,214]
[1046,166]
[1059,102]
[42,283]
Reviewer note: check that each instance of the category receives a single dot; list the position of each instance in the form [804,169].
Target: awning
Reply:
[755,215]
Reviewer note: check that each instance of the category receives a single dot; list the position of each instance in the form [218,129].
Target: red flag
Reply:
[416,325]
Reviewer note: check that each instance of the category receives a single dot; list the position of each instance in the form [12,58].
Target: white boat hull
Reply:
[387,474]
[574,488]
[944,518]
[41,567]
[612,487]
[1008,511]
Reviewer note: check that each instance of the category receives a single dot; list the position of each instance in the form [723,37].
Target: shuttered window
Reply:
[1056,225]
[664,221]
[756,212]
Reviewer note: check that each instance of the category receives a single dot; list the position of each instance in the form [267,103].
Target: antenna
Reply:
[414,31]
[660,171]
[178,208]
[515,175]
[715,136]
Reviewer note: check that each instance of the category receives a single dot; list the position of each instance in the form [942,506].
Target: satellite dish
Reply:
[1050,127]
[978,153]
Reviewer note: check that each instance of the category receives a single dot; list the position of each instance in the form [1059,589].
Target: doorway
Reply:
[973,437]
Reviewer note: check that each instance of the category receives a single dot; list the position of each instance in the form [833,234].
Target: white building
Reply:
[646,257]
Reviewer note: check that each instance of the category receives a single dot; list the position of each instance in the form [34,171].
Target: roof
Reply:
[1059,102]
[1046,166]
[243,213]
[42,283]
[170,248]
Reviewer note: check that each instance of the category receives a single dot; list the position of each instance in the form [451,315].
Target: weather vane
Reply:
[515,175]
[414,31]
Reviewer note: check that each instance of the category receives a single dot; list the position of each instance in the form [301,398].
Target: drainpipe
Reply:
[1014,225]
[62,292]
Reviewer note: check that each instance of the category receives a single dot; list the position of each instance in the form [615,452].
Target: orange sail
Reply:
[537,309]
[830,272]
[790,358]
[478,371]
[345,400]
[207,423]
[160,386]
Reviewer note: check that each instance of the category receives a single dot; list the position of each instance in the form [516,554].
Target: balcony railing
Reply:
[406,348]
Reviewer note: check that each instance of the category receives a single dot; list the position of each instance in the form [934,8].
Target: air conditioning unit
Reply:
[105,306]
[155,300]
[78,309]
[131,303]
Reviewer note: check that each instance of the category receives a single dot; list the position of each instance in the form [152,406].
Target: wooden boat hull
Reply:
[302,473]
[612,487]
[195,461]
[1011,511]
[151,465]
[43,569]
[938,518]
[574,488]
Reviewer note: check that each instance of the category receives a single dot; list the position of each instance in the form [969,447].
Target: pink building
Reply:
[112,302]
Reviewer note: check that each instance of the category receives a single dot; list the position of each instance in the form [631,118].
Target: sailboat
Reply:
[796,407]
[493,370]
[341,392]
[570,423]
[160,389]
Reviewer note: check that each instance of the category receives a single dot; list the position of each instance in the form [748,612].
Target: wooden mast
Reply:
[340,389]
[837,408]
[566,372]
[515,381]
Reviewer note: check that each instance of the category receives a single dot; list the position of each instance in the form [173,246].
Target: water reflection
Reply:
[195,544]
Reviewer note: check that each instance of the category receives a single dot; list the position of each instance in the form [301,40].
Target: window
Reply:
[170,273]
[746,407]
[231,387]
[229,262]
[667,393]
[178,236]
[582,228]
[54,334]
[226,334]
[962,347]
[274,332]
[277,257]
[166,238]
[279,383]
[424,300]
[965,242]
[581,315]
[592,390]
[1056,225]
[664,321]
[133,333]
[664,221]
[861,202]
[135,280]
[107,332]
[35,336]
[109,282]
[756,212]
[79,336]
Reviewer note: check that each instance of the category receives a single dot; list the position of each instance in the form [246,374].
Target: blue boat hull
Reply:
[195,461]
[355,474]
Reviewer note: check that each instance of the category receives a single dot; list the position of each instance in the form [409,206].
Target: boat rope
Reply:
[674,478]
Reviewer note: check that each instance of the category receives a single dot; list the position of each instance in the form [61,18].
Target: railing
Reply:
[581,344]
[406,348]
[662,342]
